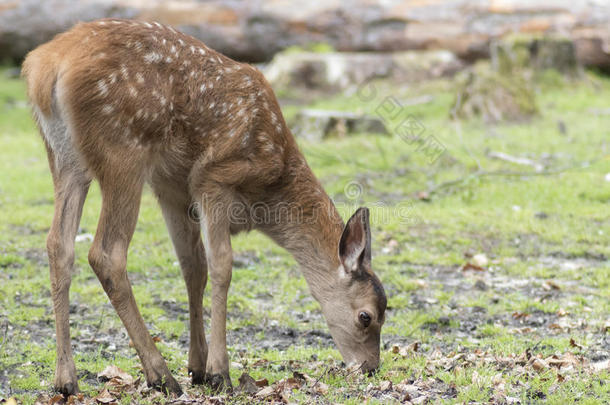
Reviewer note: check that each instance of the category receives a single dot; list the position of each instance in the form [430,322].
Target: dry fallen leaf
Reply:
[263,382]
[520,315]
[574,344]
[472,266]
[539,365]
[57,399]
[266,392]
[385,386]
[105,397]
[550,285]
[260,363]
[115,375]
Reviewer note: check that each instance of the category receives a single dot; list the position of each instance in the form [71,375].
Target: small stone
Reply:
[480,260]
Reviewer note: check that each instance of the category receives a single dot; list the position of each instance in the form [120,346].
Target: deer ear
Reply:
[355,243]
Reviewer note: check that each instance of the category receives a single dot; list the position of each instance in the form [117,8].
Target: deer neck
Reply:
[308,225]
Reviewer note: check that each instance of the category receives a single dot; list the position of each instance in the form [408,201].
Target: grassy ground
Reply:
[531,325]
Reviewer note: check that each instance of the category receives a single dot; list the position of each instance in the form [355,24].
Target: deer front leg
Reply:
[108,258]
[217,239]
[186,237]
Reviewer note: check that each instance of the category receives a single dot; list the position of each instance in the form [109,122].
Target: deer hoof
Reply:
[168,385]
[197,377]
[67,389]
[219,382]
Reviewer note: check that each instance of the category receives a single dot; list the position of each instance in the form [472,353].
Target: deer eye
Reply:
[364,318]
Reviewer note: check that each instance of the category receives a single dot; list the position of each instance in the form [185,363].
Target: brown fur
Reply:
[128,103]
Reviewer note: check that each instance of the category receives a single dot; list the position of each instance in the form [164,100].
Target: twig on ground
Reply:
[516,160]
[505,173]
[322,375]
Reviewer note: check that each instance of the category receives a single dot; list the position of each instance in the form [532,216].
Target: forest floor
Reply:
[497,273]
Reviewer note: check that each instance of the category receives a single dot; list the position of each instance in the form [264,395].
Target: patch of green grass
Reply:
[533,227]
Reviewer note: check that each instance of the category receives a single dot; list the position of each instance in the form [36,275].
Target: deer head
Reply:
[355,309]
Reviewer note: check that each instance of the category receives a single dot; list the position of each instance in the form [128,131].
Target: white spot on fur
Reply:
[201,51]
[148,25]
[107,109]
[139,78]
[102,87]
[112,78]
[152,57]
[132,91]
[168,59]
[202,88]
[124,72]
[158,25]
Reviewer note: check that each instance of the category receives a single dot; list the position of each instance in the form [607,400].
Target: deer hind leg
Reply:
[108,257]
[186,237]
[71,183]
[217,241]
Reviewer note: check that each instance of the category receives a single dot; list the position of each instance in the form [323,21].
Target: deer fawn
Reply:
[128,103]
